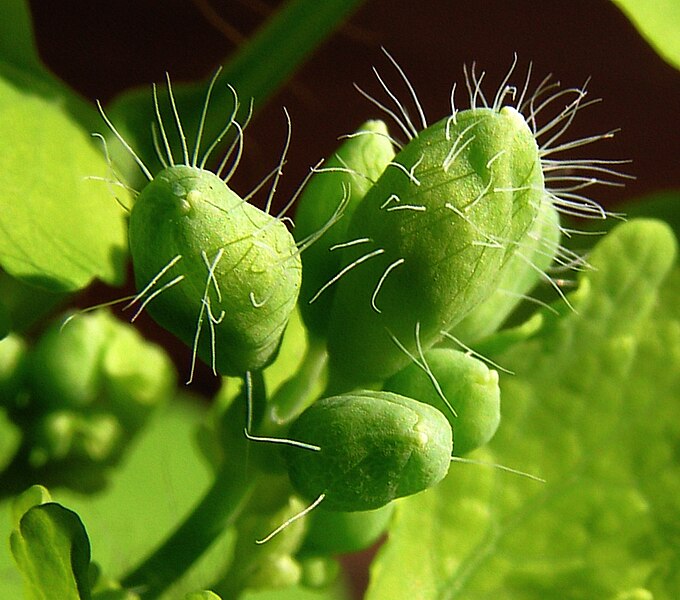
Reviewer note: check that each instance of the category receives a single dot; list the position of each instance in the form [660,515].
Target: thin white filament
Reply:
[163,271]
[348,268]
[481,463]
[381,281]
[471,352]
[282,161]
[430,374]
[156,293]
[178,121]
[157,146]
[226,128]
[414,96]
[201,313]
[161,126]
[503,89]
[387,111]
[292,520]
[121,139]
[204,112]
[283,441]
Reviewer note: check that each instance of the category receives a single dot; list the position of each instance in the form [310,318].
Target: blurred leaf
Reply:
[17,45]
[658,21]
[33,496]
[157,485]
[663,205]
[593,409]
[52,550]
[58,229]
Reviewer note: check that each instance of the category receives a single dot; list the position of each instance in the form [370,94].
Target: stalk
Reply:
[219,508]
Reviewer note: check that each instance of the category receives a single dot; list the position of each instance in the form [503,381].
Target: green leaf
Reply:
[663,205]
[593,409]
[53,552]
[17,44]
[33,496]
[658,21]
[59,229]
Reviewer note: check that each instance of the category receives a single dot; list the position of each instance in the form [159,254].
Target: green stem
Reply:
[279,47]
[256,70]
[295,394]
[218,509]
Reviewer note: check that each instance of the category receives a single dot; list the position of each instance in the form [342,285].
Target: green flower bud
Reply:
[64,364]
[331,532]
[97,363]
[275,571]
[270,565]
[137,376]
[93,383]
[239,266]
[533,256]
[468,385]
[65,435]
[214,270]
[349,174]
[438,226]
[318,572]
[13,366]
[373,447]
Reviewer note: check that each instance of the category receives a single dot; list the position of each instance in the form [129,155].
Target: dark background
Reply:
[102,48]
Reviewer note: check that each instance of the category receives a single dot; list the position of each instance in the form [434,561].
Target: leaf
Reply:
[17,44]
[663,205]
[658,21]
[58,229]
[593,409]
[36,495]
[53,552]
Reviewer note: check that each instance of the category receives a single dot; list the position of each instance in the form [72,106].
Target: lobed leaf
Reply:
[593,409]
[52,551]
